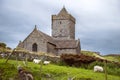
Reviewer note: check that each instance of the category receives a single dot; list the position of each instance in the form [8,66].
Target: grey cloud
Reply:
[98,28]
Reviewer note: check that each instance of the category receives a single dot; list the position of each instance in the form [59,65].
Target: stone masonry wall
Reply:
[51,48]
[35,38]
[63,28]
[60,29]
[72,29]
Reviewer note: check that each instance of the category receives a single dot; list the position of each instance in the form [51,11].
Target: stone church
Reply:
[62,39]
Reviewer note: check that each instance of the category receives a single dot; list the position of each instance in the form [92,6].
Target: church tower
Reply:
[63,26]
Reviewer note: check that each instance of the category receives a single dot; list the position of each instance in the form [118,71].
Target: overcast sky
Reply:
[97,21]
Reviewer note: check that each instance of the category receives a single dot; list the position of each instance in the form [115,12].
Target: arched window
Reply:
[34,47]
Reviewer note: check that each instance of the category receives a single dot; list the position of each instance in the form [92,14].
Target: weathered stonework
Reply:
[63,26]
[62,40]
[35,37]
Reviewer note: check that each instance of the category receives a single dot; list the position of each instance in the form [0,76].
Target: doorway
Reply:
[34,47]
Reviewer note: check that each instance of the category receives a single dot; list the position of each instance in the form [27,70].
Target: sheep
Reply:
[37,61]
[3,55]
[98,69]
[46,62]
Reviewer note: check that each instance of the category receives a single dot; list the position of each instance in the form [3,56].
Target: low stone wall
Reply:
[30,56]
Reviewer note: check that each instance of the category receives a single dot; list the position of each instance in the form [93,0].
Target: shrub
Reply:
[3,45]
[78,60]
[9,48]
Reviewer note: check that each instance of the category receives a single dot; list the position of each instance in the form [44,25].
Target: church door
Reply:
[34,47]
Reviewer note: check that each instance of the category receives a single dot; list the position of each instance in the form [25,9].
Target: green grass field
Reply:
[56,72]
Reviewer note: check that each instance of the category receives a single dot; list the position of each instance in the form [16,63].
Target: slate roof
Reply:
[67,44]
[47,37]
[63,12]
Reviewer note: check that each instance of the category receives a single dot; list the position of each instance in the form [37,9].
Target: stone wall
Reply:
[63,27]
[78,49]
[51,48]
[60,29]
[72,29]
[35,38]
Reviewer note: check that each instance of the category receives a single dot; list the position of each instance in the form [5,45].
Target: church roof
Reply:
[63,11]
[47,37]
[63,14]
[68,44]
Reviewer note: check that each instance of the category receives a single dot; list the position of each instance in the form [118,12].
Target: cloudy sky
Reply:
[97,21]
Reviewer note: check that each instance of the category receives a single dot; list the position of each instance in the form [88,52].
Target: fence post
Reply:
[9,55]
[41,64]
[105,67]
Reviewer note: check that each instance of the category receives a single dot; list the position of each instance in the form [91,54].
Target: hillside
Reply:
[109,57]
[113,57]
[56,72]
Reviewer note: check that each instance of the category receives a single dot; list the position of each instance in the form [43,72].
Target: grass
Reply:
[56,72]
[113,58]
[89,53]
[109,58]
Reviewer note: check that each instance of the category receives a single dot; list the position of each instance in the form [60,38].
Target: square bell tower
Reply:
[63,26]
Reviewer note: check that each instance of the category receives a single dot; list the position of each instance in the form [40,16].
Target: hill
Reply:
[109,57]
[56,72]
[113,57]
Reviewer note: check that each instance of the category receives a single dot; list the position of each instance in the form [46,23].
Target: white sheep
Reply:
[98,69]
[37,61]
[46,62]
[3,55]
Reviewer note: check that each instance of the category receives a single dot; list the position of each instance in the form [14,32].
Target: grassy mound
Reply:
[52,72]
